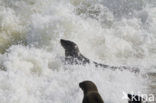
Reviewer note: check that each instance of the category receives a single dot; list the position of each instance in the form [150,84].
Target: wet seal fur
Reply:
[73,56]
[90,91]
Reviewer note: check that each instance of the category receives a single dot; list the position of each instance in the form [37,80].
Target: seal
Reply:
[72,53]
[90,91]
[74,56]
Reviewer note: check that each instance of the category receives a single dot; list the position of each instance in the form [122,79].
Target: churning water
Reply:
[114,32]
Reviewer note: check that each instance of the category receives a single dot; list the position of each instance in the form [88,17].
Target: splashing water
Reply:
[113,32]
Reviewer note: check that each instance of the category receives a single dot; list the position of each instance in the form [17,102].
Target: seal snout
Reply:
[80,84]
[62,42]
[68,45]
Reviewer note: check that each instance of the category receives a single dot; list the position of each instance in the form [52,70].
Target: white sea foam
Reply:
[119,34]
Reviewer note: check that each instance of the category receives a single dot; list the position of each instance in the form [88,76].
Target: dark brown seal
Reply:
[74,56]
[91,94]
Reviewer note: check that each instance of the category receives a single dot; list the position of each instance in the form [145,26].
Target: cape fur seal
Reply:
[90,91]
[73,56]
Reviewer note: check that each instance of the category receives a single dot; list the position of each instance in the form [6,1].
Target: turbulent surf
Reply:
[114,32]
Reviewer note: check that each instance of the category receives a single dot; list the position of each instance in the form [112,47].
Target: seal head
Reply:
[72,53]
[71,49]
[87,86]
[90,91]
